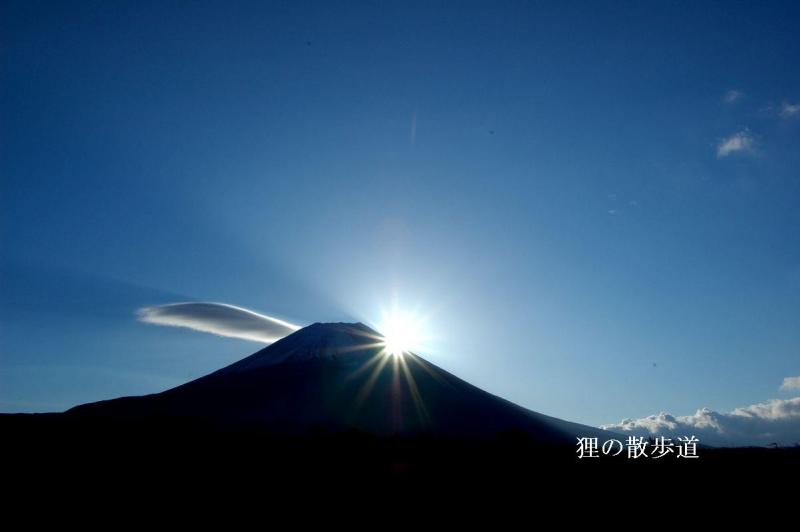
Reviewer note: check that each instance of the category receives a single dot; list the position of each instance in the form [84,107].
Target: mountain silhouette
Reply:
[337,377]
[326,409]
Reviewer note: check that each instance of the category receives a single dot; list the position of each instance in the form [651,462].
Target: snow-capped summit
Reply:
[341,342]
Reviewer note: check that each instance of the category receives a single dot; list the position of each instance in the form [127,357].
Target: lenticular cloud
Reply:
[220,319]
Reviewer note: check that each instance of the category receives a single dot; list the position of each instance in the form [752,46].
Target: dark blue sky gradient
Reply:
[541,180]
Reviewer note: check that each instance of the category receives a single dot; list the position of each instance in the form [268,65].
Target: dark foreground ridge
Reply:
[326,403]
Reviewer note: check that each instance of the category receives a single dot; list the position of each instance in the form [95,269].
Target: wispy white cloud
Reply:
[732,96]
[791,383]
[219,319]
[790,110]
[741,141]
[775,421]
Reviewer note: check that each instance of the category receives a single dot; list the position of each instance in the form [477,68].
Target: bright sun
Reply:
[401,333]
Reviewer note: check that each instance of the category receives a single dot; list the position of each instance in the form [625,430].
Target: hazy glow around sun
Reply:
[402,332]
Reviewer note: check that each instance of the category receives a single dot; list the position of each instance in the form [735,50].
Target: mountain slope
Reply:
[336,377]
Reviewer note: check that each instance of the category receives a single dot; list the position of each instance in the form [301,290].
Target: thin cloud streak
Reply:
[732,96]
[789,110]
[220,319]
[738,142]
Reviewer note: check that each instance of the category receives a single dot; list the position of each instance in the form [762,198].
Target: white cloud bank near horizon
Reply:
[774,421]
[220,319]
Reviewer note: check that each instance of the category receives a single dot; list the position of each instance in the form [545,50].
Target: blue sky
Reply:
[594,205]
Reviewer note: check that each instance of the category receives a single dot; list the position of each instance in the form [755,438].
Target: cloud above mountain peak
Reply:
[220,319]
